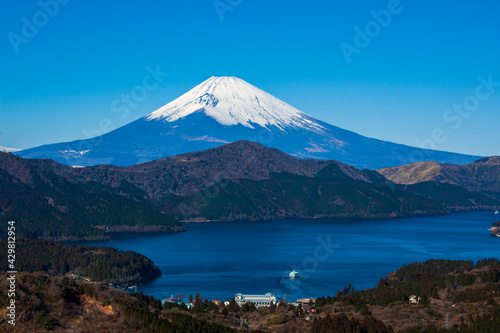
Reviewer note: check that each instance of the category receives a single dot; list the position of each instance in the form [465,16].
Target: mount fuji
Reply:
[221,110]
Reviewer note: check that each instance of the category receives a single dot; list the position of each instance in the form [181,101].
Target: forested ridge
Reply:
[102,264]
[465,289]
[239,181]
[52,207]
[425,280]
[285,195]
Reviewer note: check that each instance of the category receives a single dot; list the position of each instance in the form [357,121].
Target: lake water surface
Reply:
[220,259]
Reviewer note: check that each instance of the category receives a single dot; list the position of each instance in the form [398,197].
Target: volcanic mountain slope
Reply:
[227,109]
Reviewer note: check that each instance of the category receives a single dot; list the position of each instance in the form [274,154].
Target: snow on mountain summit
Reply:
[9,150]
[227,109]
[232,101]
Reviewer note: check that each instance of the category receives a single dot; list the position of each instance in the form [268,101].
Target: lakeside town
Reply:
[440,294]
[305,307]
[459,294]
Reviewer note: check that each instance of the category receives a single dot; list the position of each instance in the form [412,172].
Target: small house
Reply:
[414,299]
[171,299]
[306,300]
[257,300]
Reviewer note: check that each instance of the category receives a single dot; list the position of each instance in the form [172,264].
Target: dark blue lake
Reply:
[220,259]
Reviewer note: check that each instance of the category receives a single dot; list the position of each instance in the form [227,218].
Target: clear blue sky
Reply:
[63,79]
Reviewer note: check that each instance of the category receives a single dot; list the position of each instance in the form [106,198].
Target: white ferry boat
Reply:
[293,274]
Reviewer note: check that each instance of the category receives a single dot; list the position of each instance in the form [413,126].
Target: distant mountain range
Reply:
[227,109]
[239,181]
[246,180]
[481,176]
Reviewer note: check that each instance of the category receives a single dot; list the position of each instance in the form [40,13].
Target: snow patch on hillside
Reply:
[8,150]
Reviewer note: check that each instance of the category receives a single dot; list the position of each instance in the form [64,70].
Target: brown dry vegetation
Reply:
[469,293]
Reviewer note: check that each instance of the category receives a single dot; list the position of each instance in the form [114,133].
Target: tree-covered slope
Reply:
[452,196]
[96,263]
[48,205]
[285,195]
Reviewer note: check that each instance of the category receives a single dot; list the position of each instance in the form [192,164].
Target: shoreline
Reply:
[495,229]
[140,228]
[110,230]
[344,218]
[339,217]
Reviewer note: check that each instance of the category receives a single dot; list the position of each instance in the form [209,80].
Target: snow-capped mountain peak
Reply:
[232,101]
[228,109]
[9,150]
